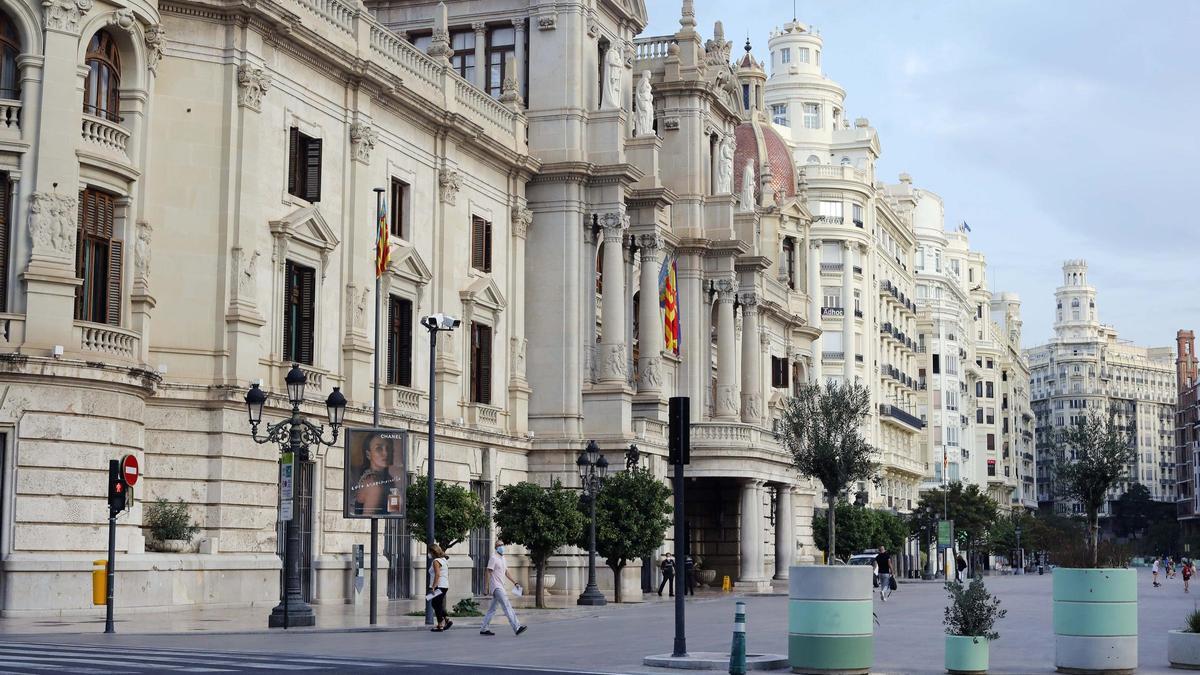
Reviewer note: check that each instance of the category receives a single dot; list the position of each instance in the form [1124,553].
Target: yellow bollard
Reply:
[726,585]
[99,582]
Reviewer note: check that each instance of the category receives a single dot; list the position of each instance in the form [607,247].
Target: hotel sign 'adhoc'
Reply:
[374,473]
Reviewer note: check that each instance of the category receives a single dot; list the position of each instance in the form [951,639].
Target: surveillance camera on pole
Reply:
[438,322]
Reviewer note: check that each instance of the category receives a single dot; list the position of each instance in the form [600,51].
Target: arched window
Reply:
[101,89]
[10,48]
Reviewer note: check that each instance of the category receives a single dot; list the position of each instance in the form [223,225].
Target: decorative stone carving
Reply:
[518,346]
[593,28]
[439,44]
[747,198]
[449,182]
[156,37]
[717,49]
[478,26]
[253,82]
[727,398]
[671,124]
[522,218]
[141,251]
[754,407]
[614,359]
[630,53]
[547,22]
[246,268]
[726,289]
[358,305]
[613,224]
[122,18]
[725,167]
[613,66]
[643,120]
[362,141]
[651,373]
[649,244]
[52,224]
[64,15]
[510,89]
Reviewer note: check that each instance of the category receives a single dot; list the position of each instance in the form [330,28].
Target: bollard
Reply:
[737,653]
[99,582]
[726,584]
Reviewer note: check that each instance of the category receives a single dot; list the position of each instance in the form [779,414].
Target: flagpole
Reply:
[375,404]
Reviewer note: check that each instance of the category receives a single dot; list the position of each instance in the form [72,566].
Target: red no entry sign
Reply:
[129,469]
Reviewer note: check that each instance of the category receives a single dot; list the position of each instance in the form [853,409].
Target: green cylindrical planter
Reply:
[830,619]
[1095,621]
[966,655]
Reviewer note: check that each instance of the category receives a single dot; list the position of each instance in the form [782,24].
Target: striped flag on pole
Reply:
[668,301]
[382,247]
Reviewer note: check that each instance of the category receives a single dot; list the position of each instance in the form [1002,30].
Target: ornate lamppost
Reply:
[592,468]
[294,435]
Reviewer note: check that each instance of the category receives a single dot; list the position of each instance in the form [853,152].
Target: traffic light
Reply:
[118,489]
[679,443]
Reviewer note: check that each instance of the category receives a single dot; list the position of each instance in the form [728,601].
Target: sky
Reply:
[1057,130]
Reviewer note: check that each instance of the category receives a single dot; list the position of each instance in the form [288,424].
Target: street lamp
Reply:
[1020,553]
[592,467]
[435,323]
[931,527]
[294,435]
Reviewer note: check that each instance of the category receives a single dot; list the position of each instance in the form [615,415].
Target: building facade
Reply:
[1087,368]
[1187,431]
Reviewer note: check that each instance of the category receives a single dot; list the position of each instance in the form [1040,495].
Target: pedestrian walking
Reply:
[689,576]
[439,586]
[1170,567]
[1154,572]
[1188,571]
[497,575]
[883,563]
[667,566]
[960,566]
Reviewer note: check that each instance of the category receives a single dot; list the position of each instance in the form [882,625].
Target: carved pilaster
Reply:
[522,218]
[449,182]
[726,290]
[64,15]
[52,225]
[156,37]
[362,141]
[613,226]
[253,83]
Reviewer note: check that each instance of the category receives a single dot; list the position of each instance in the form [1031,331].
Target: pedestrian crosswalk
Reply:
[50,657]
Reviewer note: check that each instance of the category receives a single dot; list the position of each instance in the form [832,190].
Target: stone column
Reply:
[750,532]
[481,67]
[814,305]
[785,530]
[519,74]
[725,408]
[752,404]
[650,323]
[848,345]
[612,348]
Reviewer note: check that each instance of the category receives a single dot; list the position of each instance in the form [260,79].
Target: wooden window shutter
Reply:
[397,208]
[392,342]
[482,337]
[783,371]
[116,256]
[487,247]
[4,239]
[312,170]
[289,290]
[404,334]
[474,362]
[294,161]
[477,247]
[307,314]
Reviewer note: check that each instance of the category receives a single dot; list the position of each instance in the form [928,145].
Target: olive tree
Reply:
[540,519]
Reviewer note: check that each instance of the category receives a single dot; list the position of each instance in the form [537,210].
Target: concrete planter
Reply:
[966,655]
[1095,620]
[170,545]
[830,619]
[1183,650]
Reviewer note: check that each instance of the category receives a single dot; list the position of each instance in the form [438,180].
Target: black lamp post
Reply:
[592,467]
[927,573]
[294,435]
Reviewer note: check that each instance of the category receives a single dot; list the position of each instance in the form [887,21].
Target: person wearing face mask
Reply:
[497,574]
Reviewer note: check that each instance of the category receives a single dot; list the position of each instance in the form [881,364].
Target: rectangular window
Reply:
[991,391]
[812,115]
[5,238]
[502,43]
[304,166]
[399,346]
[785,55]
[481,363]
[991,467]
[98,260]
[979,415]
[779,372]
[397,227]
[779,113]
[991,441]
[299,313]
[788,262]
[481,244]
[832,341]
[937,363]
[831,296]
[802,54]
[746,96]
[463,59]
[856,211]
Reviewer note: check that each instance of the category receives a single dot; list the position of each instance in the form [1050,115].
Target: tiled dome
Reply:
[754,138]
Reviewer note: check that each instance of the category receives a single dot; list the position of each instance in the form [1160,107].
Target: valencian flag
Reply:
[668,302]
[382,247]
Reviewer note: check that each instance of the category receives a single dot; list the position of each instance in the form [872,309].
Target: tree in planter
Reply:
[631,519]
[540,519]
[820,427]
[1089,460]
[972,611]
[167,521]
[456,511]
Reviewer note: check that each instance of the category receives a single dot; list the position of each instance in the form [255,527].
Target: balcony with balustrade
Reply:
[10,119]
[106,138]
[110,342]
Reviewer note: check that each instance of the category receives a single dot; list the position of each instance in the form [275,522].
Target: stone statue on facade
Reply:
[52,224]
[747,197]
[247,274]
[613,65]
[141,251]
[643,122]
[358,302]
[725,167]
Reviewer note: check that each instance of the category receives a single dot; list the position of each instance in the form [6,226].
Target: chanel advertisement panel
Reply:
[374,470]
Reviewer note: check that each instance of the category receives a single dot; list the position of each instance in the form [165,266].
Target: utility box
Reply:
[99,582]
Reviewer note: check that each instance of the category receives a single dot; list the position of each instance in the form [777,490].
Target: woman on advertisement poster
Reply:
[380,477]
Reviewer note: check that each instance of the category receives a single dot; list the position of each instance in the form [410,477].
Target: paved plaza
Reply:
[610,639]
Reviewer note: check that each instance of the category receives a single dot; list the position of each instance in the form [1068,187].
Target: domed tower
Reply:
[1007,306]
[759,147]
[1075,312]
[800,97]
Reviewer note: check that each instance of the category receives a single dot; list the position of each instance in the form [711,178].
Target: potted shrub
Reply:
[1095,599]
[969,621]
[1183,646]
[171,530]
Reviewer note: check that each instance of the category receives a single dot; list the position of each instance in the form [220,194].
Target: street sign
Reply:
[130,469]
[287,487]
[945,534]
[285,510]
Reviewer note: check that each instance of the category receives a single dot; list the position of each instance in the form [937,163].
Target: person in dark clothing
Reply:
[883,566]
[689,576]
[668,571]
[960,566]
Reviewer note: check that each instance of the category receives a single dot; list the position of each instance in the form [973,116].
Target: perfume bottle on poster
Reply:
[393,502]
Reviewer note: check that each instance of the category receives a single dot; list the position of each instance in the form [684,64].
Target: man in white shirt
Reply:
[497,574]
